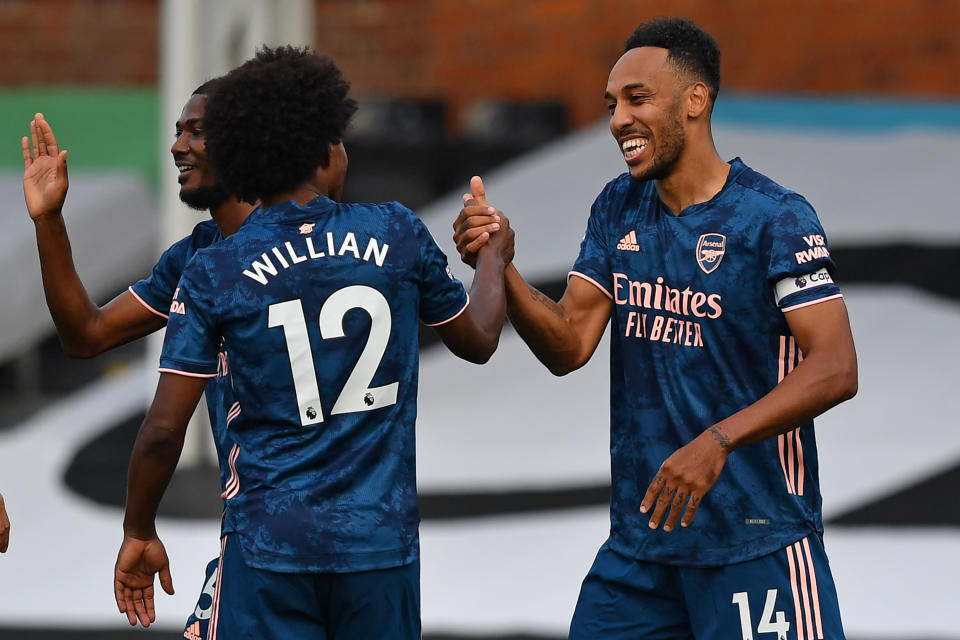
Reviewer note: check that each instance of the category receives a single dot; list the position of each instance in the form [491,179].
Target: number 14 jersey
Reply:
[319,307]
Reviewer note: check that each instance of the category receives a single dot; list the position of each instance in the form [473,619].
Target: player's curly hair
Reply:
[207,88]
[691,49]
[270,122]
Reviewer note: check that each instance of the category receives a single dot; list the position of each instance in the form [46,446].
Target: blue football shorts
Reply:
[255,603]
[786,595]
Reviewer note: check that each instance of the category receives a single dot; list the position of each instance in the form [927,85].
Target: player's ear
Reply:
[697,100]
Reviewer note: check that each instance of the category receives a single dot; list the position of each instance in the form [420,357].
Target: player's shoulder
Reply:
[766,189]
[620,185]
[204,234]
[400,219]
[617,192]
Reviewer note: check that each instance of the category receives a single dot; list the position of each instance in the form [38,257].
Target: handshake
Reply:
[480,225]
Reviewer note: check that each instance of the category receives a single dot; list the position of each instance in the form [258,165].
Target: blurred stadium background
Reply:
[853,103]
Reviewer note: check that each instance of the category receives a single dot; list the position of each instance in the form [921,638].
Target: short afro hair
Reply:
[206,88]
[691,49]
[270,122]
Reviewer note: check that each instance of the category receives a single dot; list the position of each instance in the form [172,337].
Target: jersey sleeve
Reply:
[191,344]
[593,263]
[155,291]
[442,296]
[800,269]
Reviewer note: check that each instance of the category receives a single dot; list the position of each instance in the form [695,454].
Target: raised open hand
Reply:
[44,170]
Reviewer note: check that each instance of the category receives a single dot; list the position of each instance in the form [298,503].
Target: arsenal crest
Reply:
[710,250]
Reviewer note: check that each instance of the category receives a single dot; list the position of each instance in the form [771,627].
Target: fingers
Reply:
[34,135]
[41,140]
[129,608]
[676,508]
[166,580]
[477,190]
[691,510]
[149,607]
[4,527]
[46,134]
[137,598]
[466,237]
[652,492]
[27,156]
[481,240]
[664,500]
[669,501]
[472,221]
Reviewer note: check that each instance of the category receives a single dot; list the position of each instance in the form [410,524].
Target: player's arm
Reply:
[85,330]
[4,526]
[825,377]
[474,334]
[562,335]
[154,458]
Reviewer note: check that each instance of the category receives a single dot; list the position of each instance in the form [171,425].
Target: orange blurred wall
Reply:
[463,50]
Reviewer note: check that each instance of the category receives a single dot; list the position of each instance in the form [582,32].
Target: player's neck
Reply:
[698,176]
[301,194]
[230,215]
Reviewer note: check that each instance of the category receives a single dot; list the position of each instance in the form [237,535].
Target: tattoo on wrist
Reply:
[721,438]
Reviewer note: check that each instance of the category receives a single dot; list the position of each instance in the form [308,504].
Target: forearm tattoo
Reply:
[542,298]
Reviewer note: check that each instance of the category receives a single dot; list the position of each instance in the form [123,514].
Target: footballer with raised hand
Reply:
[86,330]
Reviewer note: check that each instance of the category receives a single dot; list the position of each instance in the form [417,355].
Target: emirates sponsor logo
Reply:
[661,296]
[649,298]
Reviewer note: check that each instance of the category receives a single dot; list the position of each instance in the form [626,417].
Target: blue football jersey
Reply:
[697,333]
[321,308]
[156,293]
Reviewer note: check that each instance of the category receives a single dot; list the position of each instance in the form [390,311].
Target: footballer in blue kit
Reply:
[86,330]
[320,303]
[728,335]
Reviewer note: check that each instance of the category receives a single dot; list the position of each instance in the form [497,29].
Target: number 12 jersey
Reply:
[318,308]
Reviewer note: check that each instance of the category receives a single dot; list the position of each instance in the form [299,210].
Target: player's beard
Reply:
[669,145]
[204,198]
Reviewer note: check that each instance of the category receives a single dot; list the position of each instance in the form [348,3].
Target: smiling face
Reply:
[644,96]
[198,185]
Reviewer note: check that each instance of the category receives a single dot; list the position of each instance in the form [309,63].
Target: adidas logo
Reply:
[629,242]
[193,632]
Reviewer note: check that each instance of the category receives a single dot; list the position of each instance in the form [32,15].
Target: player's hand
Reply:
[477,222]
[682,481]
[4,527]
[137,563]
[44,170]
